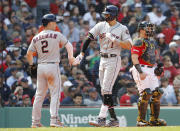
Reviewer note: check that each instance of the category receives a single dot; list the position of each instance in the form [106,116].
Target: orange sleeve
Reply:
[57,29]
[41,28]
[34,54]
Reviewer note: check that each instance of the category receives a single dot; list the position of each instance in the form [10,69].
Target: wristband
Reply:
[138,68]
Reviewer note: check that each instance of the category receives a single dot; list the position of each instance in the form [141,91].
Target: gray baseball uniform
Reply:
[46,45]
[109,67]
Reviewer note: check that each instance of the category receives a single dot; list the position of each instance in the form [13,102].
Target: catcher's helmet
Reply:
[112,11]
[147,26]
[48,18]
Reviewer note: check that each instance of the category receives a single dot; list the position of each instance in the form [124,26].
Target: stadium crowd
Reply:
[20,21]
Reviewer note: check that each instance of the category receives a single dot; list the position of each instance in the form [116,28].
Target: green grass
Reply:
[166,128]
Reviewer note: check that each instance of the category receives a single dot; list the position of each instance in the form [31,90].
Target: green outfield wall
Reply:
[14,117]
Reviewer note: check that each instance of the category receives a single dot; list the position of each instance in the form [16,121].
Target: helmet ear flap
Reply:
[44,22]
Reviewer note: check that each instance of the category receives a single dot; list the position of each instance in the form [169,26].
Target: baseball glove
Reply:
[32,71]
[158,71]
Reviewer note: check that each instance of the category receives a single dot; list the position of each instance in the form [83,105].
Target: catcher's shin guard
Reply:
[142,107]
[155,109]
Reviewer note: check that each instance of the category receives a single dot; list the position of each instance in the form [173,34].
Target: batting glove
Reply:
[78,59]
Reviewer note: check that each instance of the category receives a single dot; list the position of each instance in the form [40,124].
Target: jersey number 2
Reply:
[44,46]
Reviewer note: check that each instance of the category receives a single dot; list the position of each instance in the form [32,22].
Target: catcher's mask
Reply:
[148,27]
[112,11]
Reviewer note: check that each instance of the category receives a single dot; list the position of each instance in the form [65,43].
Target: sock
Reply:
[112,113]
[103,111]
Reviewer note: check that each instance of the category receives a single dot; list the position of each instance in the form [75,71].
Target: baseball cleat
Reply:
[101,122]
[36,125]
[142,123]
[57,124]
[112,123]
[158,122]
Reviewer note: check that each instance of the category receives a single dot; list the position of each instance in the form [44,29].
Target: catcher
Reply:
[145,73]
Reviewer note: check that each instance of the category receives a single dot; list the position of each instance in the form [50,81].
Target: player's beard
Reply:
[110,18]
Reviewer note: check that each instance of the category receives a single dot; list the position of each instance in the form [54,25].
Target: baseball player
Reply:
[113,36]
[146,74]
[46,45]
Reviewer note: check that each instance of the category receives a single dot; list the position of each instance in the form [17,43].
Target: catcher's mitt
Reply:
[159,70]
[32,70]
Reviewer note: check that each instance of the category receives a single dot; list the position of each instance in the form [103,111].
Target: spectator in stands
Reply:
[174,18]
[139,13]
[26,101]
[43,7]
[169,70]
[85,90]
[124,63]
[156,17]
[132,25]
[122,82]
[176,84]
[93,58]
[94,98]
[130,96]
[169,97]
[47,99]
[90,14]
[176,38]
[124,12]
[68,101]
[75,15]
[78,100]
[13,101]
[75,3]
[172,7]
[73,35]
[178,26]
[26,88]
[4,91]
[162,46]
[172,53]
[168,31]
[19,94]
[11,79]
[16,53]
[147,5]
[101,5]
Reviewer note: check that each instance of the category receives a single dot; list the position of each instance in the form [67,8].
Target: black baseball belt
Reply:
[147,66]
[49,63]
[106,55]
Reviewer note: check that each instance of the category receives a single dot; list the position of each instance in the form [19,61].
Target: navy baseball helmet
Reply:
[112,11]
[148,27]
[48,18]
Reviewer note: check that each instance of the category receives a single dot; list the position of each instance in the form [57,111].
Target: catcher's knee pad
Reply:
[108,100]
[156,94]
[145,95]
